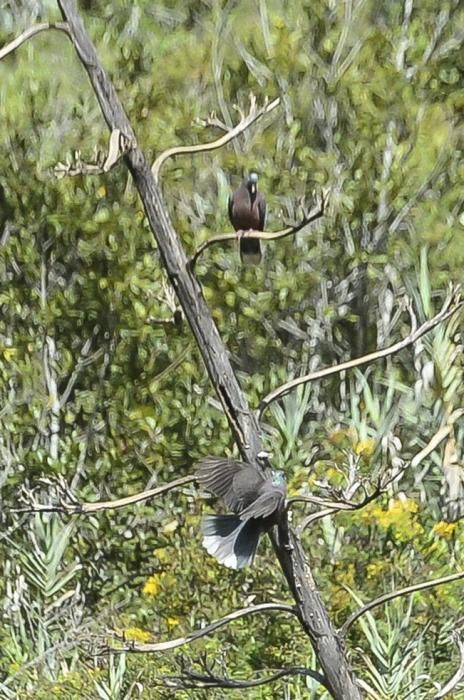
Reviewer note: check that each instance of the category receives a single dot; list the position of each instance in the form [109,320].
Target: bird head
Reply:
[278,478]
[252,182]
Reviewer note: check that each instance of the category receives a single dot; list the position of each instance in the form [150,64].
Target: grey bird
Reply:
[255,500]
[247,211]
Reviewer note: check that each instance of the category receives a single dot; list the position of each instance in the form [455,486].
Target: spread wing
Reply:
[247,486]
[270,500]
[224,478]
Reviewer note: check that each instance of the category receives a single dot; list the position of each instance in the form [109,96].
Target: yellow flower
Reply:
[9,353]
[365,448]
[399,516]
[443,529]
[152,585]
[376,569]
[172,621]
[137,634]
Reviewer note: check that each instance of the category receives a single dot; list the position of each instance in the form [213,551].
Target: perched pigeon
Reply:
[256,501]
[247,211]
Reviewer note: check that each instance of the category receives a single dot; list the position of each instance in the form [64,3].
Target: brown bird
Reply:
[247,212]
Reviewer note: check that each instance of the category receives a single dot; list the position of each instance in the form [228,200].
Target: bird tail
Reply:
[250,251]
[233,542]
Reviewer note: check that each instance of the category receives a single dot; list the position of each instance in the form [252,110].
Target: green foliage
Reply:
[101,383]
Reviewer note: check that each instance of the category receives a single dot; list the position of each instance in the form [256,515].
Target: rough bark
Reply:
[311,611]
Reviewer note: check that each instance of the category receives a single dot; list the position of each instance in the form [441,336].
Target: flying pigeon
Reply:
[247,211]
[255,500]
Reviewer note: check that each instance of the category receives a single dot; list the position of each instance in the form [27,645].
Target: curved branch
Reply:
[193,679]
[381,600]
[145,647]
[32,31]
[73,507]
[308,218]
[253,115]
[451,305]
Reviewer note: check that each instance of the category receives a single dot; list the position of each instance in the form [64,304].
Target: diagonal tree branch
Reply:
[148,647]
[381,600]
[311,611]
[452,304]
[245,122]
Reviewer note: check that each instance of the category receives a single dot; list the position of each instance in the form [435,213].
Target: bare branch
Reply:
[146,647]
[308,218]
[381,600]
[458,676]
[246,121]
[118,145]
[244,427]
[69,504]
[32,31]
[336,506]
[452,304]
[208,679]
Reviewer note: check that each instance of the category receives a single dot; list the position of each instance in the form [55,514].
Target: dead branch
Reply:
[390,476]
[190,678]
[452,304]
[147,647]
[69,504]
[381,600]
[117,147]
[311,611]
[32,31]
[245,122]
[308,218]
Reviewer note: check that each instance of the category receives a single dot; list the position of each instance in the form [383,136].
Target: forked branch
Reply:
[32,31]
[191,678]
[69,504]
[245,122]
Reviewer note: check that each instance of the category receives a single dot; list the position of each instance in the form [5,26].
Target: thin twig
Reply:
[253,115]
[336,507]
[308,218]
[381,600]
[32,31]
[145,647]
[73,507]
[451,305]
[118,145]
[193,679]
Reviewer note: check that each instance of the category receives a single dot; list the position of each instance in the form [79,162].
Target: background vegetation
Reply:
[99,386]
